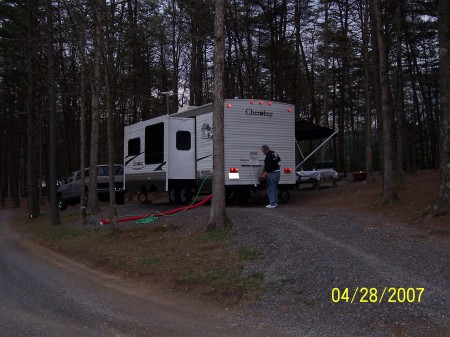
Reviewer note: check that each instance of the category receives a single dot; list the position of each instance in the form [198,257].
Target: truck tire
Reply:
[62,205]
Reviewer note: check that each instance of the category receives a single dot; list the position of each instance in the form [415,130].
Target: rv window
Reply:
[154,144]
[134,147]
[183,140]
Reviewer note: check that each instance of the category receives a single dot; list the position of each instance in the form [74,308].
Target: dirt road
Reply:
[44,294]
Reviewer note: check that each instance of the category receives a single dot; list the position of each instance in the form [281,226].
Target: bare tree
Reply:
[108,66]
[33,127]
[218,212]
[51,183]
[364,13]
[389,188]
[442,203]
[82,51]
[93,196]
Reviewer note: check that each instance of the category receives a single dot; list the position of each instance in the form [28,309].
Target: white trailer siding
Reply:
[248,124]
[247,127]
[136,171]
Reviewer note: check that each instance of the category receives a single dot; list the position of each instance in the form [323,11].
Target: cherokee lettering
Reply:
[259,112]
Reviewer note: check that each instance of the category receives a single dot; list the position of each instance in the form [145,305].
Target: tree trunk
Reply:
[442,203]
[218,212]
[93,196]
[368,101]
[83,198]
[326,56]
[389,189]
[400,118]
[32,126]
[108,67]
[51,183]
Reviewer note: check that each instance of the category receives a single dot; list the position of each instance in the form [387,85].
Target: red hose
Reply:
[158,214]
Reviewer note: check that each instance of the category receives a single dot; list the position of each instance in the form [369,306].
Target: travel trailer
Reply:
[175,153]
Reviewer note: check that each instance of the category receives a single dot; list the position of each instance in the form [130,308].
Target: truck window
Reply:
[183,140]
[134,147]
[154,144]
[118,170]
[102,171]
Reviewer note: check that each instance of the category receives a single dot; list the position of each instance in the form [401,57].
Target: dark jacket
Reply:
[271,162]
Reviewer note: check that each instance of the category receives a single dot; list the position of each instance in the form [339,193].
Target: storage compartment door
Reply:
[181,148]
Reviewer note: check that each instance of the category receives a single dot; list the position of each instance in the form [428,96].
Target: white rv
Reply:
[175,153]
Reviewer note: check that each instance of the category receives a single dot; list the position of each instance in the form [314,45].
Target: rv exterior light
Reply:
[252,102]
[228,105]
[234,174]
[287,170]
[269,103]
[289,110]
[260,103]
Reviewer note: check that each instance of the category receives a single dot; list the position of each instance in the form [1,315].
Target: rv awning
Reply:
[305,130]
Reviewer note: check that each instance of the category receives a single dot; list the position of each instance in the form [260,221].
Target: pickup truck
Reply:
[69,190]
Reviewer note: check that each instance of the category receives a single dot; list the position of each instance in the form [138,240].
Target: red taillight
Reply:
[234,170]
[287,170]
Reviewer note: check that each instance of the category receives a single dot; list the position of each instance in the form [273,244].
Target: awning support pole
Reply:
[317,148]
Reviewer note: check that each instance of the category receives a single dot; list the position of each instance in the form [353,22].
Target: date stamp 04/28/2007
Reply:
[375,295]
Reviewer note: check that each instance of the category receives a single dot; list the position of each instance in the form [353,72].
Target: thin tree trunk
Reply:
[442,204]
[83,198]
[218,212]
[400,173]
[108,66]
[368,102]
[93,196]
[389,189]
[32,126]
[51,183]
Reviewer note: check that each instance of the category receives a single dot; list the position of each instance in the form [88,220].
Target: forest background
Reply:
[67,68]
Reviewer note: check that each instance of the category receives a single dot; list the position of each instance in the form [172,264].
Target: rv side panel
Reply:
[145,155]
[250,124]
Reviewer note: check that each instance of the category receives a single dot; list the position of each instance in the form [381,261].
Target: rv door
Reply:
[181,148]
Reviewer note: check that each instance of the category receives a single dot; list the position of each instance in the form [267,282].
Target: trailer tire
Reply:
[120,198]
[185,195]
[238,196]
[174,194]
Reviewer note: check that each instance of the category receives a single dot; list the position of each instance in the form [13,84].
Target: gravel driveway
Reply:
[309,251]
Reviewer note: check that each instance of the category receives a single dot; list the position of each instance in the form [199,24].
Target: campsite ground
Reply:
[280,266]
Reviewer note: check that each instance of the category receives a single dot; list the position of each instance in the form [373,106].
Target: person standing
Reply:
[272,172]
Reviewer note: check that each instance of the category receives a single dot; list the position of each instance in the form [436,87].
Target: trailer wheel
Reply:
[120,198]
[185,195]
[174,194]
[238,196]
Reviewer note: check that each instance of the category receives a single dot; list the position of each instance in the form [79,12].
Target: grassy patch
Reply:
[158,254]
[249,254]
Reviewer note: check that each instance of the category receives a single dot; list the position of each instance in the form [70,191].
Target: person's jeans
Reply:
[273,178]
